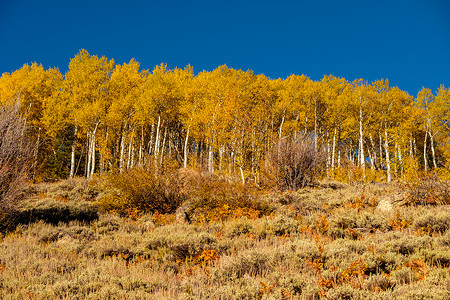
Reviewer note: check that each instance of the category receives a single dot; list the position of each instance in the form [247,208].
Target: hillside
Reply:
[331,241]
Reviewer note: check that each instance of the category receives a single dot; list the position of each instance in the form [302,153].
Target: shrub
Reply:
[251,262]
[15,162]
[433,222]
[53,212]
[295,162]
[72,189]
[429,189]
[282,225]
[141,190]
[215,199]
[180,242]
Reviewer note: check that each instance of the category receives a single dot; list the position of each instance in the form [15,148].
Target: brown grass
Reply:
[317,243]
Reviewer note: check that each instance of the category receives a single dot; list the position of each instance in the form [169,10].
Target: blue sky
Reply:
[406,41]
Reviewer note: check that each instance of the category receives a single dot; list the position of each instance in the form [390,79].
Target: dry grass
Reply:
[320,243]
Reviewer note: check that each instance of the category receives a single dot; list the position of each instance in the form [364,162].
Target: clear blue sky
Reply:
[406,41]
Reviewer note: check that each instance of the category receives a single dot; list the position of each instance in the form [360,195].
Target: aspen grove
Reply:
[100,117]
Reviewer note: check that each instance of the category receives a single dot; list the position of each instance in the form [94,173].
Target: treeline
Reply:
[101,116]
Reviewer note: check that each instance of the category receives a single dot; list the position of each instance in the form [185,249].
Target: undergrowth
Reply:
[330,242]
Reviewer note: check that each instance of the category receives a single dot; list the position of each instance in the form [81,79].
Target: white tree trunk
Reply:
[373,157]
[388,160]
[186,141]
[163,147]
[72,155]
[130,145]
[281,125]
[94,133]
[122,151]
[333,152]
[141,146]
[425,160]
[362,162]
[433,154]
[400,159]
[316,138]
[88,156]
[158,130]
[92,156]
[211,160]
[411,149]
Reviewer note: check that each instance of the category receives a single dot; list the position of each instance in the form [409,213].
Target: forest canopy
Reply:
[101,116]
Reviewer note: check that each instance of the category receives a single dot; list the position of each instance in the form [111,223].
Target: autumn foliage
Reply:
[101,116]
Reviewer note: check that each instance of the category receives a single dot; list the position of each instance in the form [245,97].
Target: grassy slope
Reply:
[317,243]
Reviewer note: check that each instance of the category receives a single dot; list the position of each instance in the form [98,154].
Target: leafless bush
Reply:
[295,162]
[15,158]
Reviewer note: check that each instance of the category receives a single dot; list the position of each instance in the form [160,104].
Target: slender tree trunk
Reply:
[122,151]
[362,162]
[158,130]
[381,149]
[133,156]
[281,125]
[94,133]
[150,142]
[253,151]
[388,160]
[411,152]
[397,162]
[186,148]
[400,159]
[316,138]
[339,158]
[425,160]
[433,155]
[102,157]
[72,154]
[373,157]
[333,152]
[130,145]
[306,124]
[231,163]
[210,159]
[328,151]
[88,156]
[163,147]
[221,150]
[141,147]
[92,156]
[242,175]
